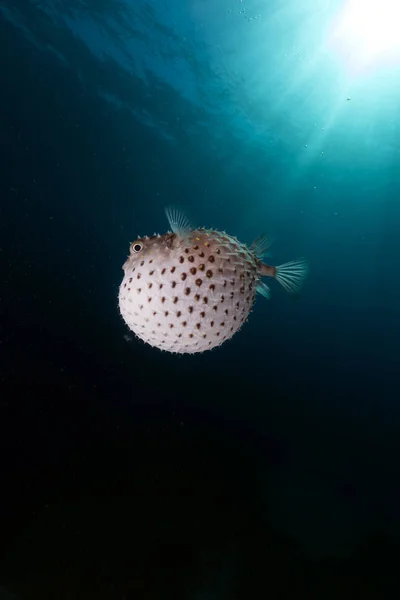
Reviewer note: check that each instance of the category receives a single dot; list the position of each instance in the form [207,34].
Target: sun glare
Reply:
[368,31]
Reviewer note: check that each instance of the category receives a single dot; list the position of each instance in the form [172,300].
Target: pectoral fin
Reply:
[178,222]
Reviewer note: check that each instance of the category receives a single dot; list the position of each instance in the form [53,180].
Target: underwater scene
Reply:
[200,308]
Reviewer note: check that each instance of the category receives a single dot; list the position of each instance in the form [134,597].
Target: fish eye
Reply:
[137,247]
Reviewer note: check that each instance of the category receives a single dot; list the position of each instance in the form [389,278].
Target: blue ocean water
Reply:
[252,116]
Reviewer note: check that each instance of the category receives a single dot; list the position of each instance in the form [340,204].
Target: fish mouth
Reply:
[126,264]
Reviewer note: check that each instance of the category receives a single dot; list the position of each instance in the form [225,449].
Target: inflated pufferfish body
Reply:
[190,290]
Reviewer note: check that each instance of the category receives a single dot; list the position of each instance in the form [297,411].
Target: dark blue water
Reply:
[268,467]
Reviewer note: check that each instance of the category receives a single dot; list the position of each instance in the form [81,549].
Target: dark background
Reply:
[268,468]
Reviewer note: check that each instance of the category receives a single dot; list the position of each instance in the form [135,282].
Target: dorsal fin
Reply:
[178,222]
[261,245]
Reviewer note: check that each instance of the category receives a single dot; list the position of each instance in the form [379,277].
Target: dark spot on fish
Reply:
[178,314]
[222,324]
[163,299]
[231,329]
[195,247]
[237,304]
[191,258]
[211,258]
[150,261]
[226,311]
[175,299]
[209,343]
[183,276]
[242,289]
[163,271]
[139,290]
[217,334]
[150,285]
[207,244]
[197,297]
[142,263]
[151,273]
[166,313]
[205,300]
[232,282]
[250,286]
[186,250]
[209,273]
[225,283]
[181,259]
[231,295]
[215,307]
[141,307]
[149,299]
[193,270]
[187,291]
[202,267]
[204,336]
[124,285]
[234,318]
[184,323]
[173,284]
[171,325]
[220,270]
[190,309]
[211,287]
[198,325]
[212,324]
[138,275]
[190,335]
[179,335]
[222,298]
[201,254]
[202,314]
[199,281]
[130,280]
[173,269]
[218,251]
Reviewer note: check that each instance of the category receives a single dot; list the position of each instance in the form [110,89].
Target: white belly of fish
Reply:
[182,309]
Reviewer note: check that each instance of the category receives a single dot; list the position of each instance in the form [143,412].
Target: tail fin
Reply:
[291,275]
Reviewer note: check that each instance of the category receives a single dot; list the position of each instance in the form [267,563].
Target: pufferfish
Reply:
[190,290]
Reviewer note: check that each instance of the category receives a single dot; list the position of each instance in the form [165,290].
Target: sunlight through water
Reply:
[366,33]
